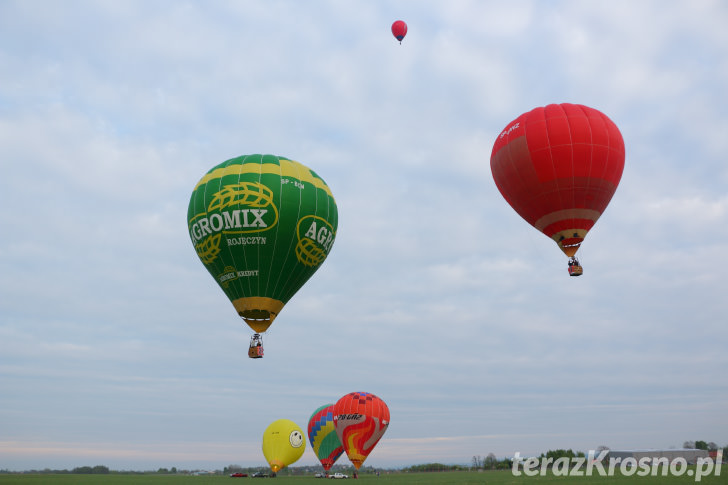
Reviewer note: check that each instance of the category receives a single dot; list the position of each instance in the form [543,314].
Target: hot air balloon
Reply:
[558,167]
[361,419]
[262,225]
[283,444]
[399,30]
[322,435]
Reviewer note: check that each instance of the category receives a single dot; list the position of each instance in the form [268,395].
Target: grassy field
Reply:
[444,478]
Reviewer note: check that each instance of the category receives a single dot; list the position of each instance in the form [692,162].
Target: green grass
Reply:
[435,478]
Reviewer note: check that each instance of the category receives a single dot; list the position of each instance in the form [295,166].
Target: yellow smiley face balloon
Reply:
[283,444]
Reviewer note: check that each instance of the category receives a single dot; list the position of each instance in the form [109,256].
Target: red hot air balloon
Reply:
[361,419]
[558,167]
[399,30]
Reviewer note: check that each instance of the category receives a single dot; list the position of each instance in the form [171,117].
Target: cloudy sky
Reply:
[117,348]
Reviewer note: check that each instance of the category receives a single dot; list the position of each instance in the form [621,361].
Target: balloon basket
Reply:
[575,268]
[255,351]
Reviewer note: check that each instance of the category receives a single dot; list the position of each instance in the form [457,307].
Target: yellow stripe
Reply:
[561,215]
[287,168]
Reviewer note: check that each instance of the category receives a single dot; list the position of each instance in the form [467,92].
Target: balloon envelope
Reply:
[283,444]
[261,225]
[361,419]
[322,435]
[558,167]
[399,30]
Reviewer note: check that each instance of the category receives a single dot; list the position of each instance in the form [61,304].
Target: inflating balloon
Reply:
[399,30]
[262,225]
[558,167]
[322,435]
[283,444]
[361,419]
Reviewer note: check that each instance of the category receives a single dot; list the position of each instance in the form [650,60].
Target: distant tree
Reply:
[174,470]
[87,470]
[689,445]
[163,471]
[701,445]
[427,467]
[505,464]
[712,446]
[490,461]
[556,454]
[477,462]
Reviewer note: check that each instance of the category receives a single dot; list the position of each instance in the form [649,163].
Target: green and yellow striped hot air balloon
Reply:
[262,225]
[322,435]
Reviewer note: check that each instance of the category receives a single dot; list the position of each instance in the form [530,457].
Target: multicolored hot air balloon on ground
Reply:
[283,444]
[399,30]
[262,225]
[361,419]
[558,167]
[322,435]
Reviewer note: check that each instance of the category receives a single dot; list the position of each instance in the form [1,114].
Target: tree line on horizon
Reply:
[489,462]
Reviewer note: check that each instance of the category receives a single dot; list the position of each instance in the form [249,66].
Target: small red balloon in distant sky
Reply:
[399,30]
